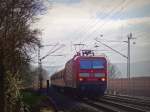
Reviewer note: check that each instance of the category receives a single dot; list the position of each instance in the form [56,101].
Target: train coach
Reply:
[84,75]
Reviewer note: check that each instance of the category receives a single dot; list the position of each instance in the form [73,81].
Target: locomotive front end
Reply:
[92,75]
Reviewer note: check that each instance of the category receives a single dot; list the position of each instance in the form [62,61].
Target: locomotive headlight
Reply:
[103,79]
[81,79]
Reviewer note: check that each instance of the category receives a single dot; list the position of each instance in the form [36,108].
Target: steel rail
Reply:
[135,101]
[144,99]
[111,106]
[130,103]
[102,107]
[124,106]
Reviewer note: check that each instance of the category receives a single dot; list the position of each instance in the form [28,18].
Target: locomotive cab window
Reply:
[92,64]
[98,64]
[85,64]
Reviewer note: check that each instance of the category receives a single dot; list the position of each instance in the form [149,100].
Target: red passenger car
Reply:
[85,74]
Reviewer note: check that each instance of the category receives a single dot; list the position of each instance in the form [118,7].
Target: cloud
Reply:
[66,2]
[72,22]
[83,20]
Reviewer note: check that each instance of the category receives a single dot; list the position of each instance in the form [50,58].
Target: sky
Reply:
[69,22]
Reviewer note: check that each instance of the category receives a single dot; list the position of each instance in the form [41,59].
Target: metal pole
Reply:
[128,59]
[40,69]
[47,84]
[40,76]
[128,63]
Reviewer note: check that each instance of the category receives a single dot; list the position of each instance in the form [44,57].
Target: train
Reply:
[83,75]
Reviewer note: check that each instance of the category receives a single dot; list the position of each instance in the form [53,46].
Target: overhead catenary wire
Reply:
[91,33]
[51,52]
[107,16]
[112,49]
[84,27]
[107,22]
[94,23]
[96,31]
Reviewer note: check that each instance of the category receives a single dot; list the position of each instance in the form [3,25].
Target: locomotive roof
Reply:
[95,56]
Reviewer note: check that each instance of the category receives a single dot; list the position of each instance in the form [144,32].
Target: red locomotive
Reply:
[85,74]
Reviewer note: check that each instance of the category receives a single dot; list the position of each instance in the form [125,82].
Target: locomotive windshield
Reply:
[92,64]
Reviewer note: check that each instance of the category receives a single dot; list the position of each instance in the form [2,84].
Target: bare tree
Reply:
[17,39]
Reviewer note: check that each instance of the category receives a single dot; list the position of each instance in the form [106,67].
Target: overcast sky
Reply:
[81,21]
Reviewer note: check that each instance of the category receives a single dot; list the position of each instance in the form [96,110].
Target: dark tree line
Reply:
[17,41]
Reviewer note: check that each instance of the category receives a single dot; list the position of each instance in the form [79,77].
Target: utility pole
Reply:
[129,37]
[40,78]
[128,52]
[128,60]
[40,69]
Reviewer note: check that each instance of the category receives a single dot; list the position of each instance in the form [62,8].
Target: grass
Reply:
[47,109]
[31,98]
[38,103]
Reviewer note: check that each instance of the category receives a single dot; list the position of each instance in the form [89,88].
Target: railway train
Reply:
[84,75]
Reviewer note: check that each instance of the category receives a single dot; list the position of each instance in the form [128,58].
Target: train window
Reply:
[99,75]
[85,64]
[84,74]
[92,64]
[97,64]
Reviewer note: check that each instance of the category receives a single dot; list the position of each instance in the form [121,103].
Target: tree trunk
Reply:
[2,102]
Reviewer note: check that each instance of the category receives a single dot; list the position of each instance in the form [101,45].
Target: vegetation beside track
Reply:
[37,102]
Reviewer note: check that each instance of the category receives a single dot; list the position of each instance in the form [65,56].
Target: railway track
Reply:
[141,103]
[142,99]
[107,103]
[117,104]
